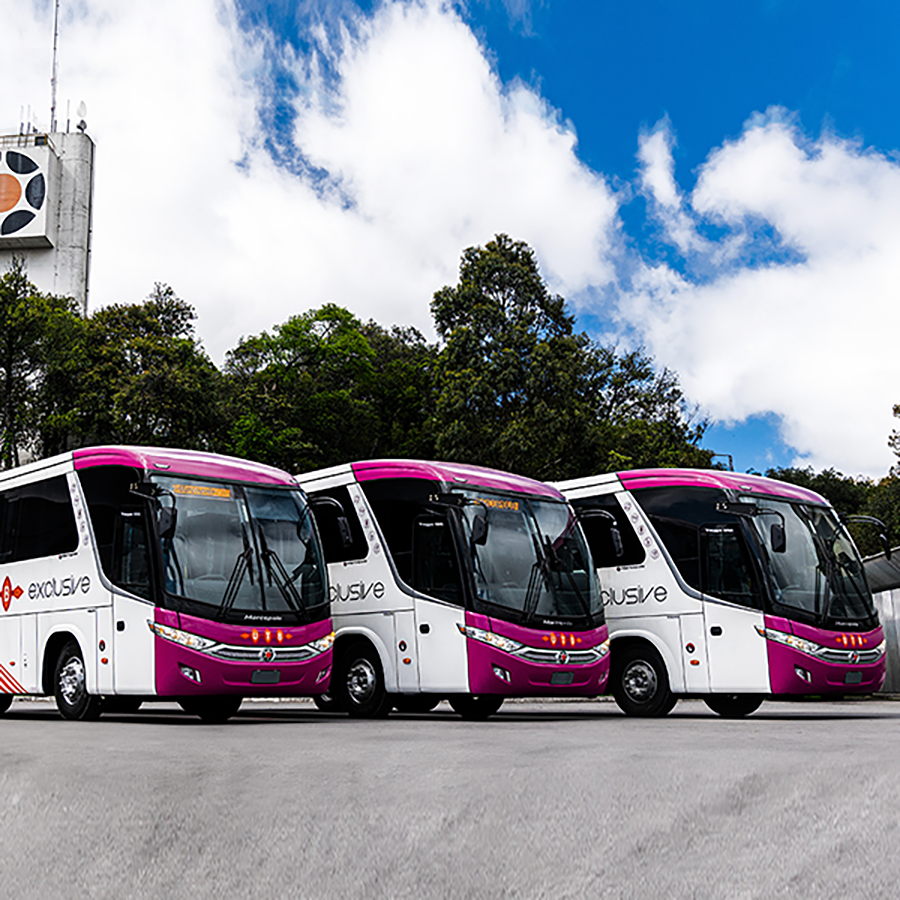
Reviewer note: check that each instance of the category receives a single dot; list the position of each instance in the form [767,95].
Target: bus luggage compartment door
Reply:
[738,660]
[11,655]
[406,653]
[693,652]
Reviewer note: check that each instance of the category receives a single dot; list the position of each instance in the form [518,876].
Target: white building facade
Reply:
[46,198]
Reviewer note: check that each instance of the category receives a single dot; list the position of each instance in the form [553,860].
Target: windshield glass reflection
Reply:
[820,571]
[534,559]
[241,548]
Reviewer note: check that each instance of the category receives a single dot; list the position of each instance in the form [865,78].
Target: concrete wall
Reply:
[888,605]
[62,265]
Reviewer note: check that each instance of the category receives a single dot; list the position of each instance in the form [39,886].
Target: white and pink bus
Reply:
[728,587]
[457,582]
[135,573]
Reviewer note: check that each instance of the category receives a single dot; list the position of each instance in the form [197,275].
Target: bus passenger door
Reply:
[738,662]
[134,645]
[443,662]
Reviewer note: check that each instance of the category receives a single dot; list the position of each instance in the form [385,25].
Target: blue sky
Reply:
[615,69]
[717,182]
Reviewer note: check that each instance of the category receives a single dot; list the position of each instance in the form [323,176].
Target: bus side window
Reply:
[422,550]
[435,569]
[37,521]
[682,540]
[599,534]
[727,571]
[120,527]
[333,532]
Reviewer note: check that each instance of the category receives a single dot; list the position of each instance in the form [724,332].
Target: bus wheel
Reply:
[212,710]
[70,688]
[359,687]
[415,703]
[640,683]
[327,702]
[5,702]
[733,706]
[474,707]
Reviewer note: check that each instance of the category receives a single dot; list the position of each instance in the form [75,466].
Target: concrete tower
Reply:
[46,197]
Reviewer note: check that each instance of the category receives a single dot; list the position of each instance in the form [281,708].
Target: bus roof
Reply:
[452,473]
[181,462]
[744,484]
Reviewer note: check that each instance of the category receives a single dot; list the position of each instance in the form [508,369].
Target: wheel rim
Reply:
[639,681]
[71,680]
[361,681]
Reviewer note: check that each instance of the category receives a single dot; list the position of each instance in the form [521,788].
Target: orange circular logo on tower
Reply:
[10,192]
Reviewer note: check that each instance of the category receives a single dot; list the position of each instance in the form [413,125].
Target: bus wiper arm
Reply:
[539,574]
[557,565]
[278,574]
[234,581]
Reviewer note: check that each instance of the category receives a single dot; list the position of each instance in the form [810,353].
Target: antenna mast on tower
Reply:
[53,75]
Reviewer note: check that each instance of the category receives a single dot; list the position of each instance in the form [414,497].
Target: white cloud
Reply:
[811,335]
[793,311]
[431,152]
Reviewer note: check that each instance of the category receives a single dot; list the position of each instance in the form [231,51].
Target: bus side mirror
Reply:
[341,522]
[167,521]
[614,534]
[777,538]
[479,530]
[343,527]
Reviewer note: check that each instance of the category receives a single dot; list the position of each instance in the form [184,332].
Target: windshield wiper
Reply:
[557,565]
[277,573]
[243,562]
[540,572]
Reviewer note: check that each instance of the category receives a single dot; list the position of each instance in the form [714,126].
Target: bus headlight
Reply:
[603,648]
[488,637]
[322,644]
[184,638]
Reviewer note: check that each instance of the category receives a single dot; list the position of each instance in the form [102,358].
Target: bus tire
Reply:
[212,710]
[476,707]
[70,687]
[415,703]
[359,686]
[733,706]
[640,683]
[5,702]
[327,702]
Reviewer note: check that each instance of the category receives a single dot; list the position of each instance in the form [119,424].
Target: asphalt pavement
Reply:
[553,799]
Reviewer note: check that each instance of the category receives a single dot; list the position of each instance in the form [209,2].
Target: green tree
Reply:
[132,374]
[518,388]
[853,496]
[297,396]
[401,393]
[29,324]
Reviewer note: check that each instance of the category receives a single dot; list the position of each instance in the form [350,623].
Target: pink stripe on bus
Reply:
[452,474]
[181,462]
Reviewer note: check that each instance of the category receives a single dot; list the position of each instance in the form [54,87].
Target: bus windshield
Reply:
[533,559]
[820,571]
[241,550]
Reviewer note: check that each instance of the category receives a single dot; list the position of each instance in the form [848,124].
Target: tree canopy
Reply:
[518,388]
